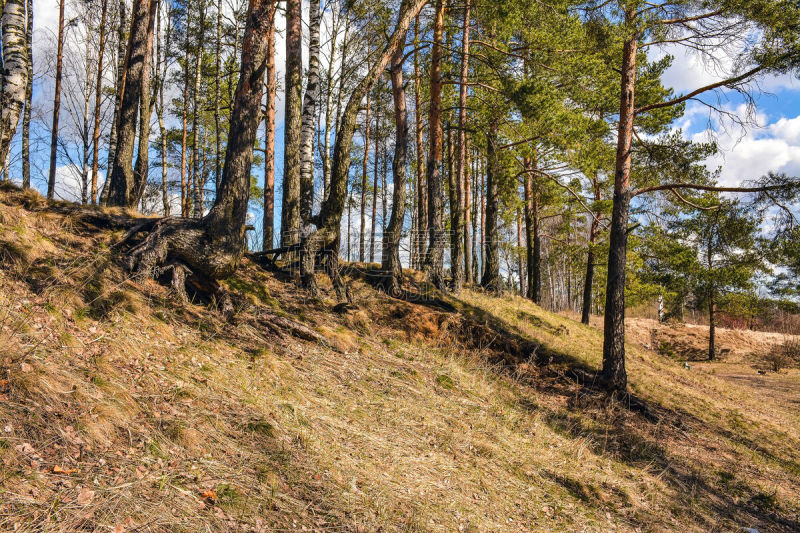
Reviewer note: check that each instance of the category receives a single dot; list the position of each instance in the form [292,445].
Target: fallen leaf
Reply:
[209,496]
[85,496]
[25,367]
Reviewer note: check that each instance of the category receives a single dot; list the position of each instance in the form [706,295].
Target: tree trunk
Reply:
[390,258]
[613,373]
[536,268]
[434,260]
[51,180]
[212,246]
[491,273]
[185,114]
[97,103]
[530,234]
[594,228]
[15,73]
[309,110]
[422,193]
[118,85]
[468,252]
[712,326]
[87,98]
[122,182]
[712,306]
[162,79]
[374,191]
[475,217]
[326,146]
[269,134]
[461,225]
[26,120]
[328,222]
[290,214]
[340,95]
[142,167]
[482,166]
[363,237]
[197,181]
[520,256]
[217,80]
[451,191]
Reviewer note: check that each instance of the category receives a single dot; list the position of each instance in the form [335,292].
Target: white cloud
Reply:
[748,154]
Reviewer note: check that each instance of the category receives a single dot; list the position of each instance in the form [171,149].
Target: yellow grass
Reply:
[121,409]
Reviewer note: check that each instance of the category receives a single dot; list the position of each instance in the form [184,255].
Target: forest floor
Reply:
[123,410]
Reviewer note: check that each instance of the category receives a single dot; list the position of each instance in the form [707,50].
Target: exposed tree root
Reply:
[282,326]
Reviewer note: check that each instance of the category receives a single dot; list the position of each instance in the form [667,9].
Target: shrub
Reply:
[783,355]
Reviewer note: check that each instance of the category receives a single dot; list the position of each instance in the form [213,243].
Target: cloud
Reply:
[691,70]
[748,154]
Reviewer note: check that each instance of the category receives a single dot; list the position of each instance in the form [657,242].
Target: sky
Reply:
[745,154]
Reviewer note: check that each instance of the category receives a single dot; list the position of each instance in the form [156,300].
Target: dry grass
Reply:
[122,411]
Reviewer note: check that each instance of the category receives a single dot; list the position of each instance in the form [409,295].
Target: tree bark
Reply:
[613,373]
[51,180]
[197,181]
[594,228]
[520,256]
[374,191]
[217,103]
[328,222]
[290,214]
[468,252]
[269,134]
[119,82]
[162,79]
[212,246]
[326,146]
[142,167]
[87,98]
[365,164]
[461,227]
[712,306]
[308,119]
[712,326]
[422,194]
[434,260]
[390,258]
[475,216]
[97,103]
[451,191]
[491,273]
[482,165]
[122,183]
[26,119]
[185,114]
[15,73]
